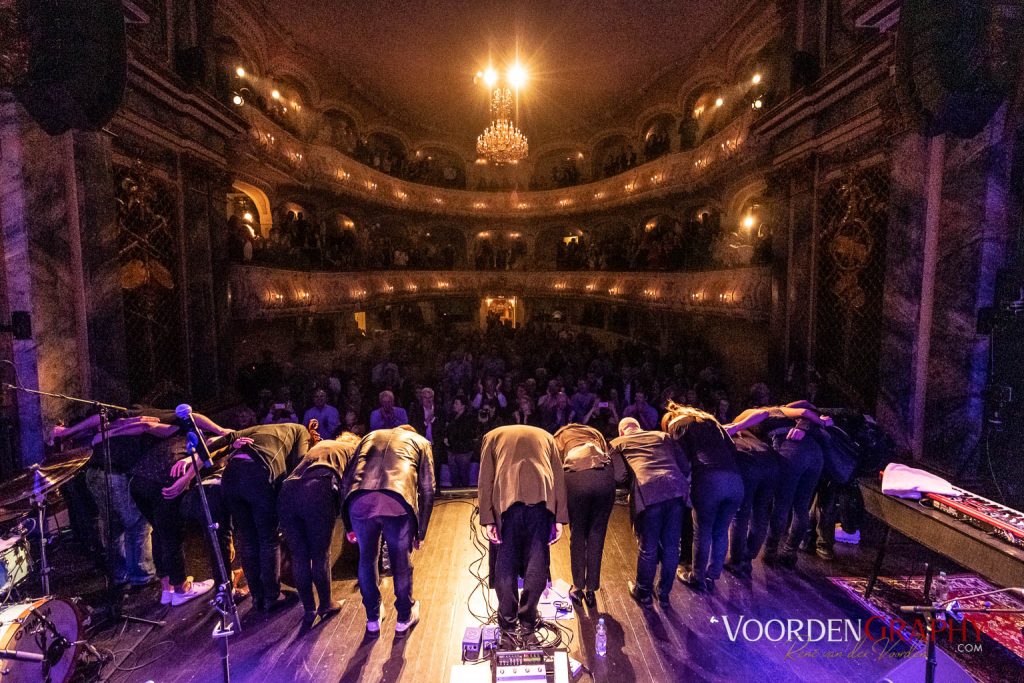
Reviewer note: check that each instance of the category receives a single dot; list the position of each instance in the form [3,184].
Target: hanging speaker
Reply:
[77,64]
[946,80]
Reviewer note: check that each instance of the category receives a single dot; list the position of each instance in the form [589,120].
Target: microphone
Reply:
[184,413]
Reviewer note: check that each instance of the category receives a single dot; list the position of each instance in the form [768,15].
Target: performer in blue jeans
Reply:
[388,491]
[716,490]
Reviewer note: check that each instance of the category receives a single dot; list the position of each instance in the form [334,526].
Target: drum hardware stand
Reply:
[224,602]
[114,608]
[39,506]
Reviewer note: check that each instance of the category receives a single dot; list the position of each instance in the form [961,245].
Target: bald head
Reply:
[629,425]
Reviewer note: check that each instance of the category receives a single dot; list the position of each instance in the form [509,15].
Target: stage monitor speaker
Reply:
[77,62]
[912,670]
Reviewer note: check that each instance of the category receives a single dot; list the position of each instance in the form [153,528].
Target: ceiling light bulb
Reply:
[276,94]
[719,102]
[240,72]
[758,103]
[490,77]
[756,79]
[517,75]
[237,100]
[247,216]
[748,221]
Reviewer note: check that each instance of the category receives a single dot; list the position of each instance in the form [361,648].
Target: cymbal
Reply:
[37,481]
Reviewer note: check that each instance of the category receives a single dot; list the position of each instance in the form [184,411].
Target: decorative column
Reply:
[56,217]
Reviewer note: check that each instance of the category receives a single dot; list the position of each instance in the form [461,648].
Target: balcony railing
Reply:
[328,168]
[261,293]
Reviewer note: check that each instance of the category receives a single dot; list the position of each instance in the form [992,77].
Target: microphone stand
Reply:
[224,602]
[113,605]
[932,611]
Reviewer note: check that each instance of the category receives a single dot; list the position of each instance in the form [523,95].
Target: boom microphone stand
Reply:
[953,609]
[224,602]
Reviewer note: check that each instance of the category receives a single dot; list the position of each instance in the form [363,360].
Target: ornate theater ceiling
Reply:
[593,65]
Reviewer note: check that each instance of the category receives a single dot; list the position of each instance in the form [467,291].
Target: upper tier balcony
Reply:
[327,168]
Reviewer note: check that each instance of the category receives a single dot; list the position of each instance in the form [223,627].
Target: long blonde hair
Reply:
[674,411]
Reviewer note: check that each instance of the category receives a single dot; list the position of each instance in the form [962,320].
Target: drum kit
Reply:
[39,637]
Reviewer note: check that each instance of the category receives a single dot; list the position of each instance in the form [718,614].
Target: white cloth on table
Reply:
[909,482]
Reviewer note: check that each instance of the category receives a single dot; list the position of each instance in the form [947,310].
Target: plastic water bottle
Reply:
[601,639]
[940,591]
[940,594]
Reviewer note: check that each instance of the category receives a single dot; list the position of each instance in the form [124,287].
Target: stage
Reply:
[688,641]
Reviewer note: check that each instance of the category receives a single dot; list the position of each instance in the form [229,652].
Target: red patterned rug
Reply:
[1002,635]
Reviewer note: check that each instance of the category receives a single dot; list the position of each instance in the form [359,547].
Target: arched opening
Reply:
[499,250]
[606,246]
[557,168]
[747,238]
[262,218]
[705,112]
[384,152]
[659,243]
[614,154]
[656,135]
[342,248]
[286,102]
[436,166]
[337,129]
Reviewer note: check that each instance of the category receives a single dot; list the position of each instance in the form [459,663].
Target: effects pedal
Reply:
[489,639]
[530,666]
[471,644]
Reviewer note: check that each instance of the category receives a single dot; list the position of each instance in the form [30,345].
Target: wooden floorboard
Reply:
[680,643]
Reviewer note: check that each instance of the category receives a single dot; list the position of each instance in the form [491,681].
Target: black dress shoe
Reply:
[787,559]
[590,599]
[664,599]
[644,599]
[282,600]
[308,617]
[330,609]
[576,595]
[691,581]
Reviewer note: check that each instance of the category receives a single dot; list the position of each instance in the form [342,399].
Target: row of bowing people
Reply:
[751,480]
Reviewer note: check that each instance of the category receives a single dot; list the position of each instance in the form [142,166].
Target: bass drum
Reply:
[48,626]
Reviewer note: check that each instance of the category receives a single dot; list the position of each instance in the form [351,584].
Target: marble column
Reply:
[933,367]
[42,259]
[60,259]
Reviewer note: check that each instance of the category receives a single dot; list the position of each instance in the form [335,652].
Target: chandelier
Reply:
[502,142]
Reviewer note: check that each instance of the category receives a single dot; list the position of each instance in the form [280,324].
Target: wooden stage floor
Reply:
[685,642]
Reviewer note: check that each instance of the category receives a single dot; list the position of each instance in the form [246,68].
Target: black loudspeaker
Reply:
[21,325]
[946,80]
[77,62]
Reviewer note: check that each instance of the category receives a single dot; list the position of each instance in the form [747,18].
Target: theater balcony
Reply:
[267,293]
[272,156]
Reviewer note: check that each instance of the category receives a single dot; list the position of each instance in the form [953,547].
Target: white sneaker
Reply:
[843,537]
[165,597]
[198,588]
[374,626]
[414,617]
